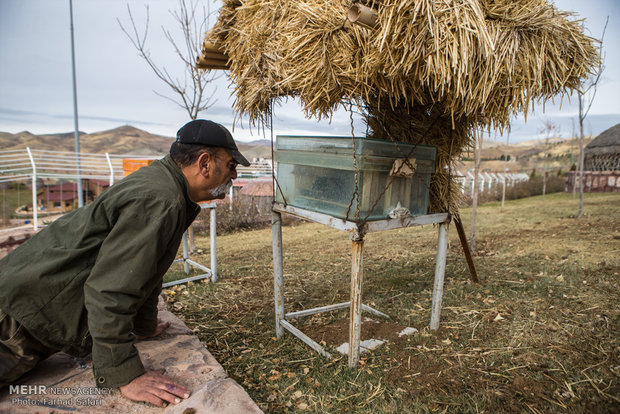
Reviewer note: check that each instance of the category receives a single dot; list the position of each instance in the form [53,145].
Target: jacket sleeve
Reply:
[121,283]
[145,322]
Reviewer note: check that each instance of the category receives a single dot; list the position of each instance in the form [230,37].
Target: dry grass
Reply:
[539,335]
[481,59]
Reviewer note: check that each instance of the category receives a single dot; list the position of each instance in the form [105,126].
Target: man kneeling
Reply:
[90,281]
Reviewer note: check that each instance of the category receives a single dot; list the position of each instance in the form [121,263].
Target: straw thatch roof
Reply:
[608,140]
[603,153]
[430,71]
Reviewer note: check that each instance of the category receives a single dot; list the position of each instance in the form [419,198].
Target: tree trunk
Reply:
[474,201]
[544,183]
[581,157]
[573,161]
[544,189]
[505,168]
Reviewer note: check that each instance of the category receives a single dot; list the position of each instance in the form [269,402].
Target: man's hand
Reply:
[154,388]
[161,326]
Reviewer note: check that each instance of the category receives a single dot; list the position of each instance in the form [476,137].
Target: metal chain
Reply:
[274,180]
[355,169]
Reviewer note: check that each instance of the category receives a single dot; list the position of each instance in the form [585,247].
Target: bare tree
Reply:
[586,98]
[190,89]
[548,129]
[474,204]
[572,160]
[505,167]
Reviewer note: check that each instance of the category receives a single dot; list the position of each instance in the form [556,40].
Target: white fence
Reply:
[30,164]
[490,182]
[260,168]
[33,165]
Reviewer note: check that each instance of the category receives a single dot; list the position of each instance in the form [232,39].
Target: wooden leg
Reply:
[440,268]
[278,275]
[355,318]
[470,261]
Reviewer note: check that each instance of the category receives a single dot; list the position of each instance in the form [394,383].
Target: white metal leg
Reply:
[185,253]
[440,269]
[278,275]
[188,263]
[213,234]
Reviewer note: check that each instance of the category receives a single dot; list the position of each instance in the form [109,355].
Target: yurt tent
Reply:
[603,153]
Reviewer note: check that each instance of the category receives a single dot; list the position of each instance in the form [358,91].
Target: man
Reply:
[90,281]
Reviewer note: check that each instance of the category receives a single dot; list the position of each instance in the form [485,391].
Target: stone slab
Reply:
[63,384]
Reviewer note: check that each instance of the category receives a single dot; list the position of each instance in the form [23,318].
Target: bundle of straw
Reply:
[462,64]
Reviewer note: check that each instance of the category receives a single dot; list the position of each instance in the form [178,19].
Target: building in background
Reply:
[601,164]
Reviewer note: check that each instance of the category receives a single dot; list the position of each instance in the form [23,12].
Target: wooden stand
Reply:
[355,304]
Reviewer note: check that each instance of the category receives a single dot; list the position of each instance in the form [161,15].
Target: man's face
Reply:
[223,171]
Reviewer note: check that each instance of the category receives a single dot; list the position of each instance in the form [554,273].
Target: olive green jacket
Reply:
[90,281]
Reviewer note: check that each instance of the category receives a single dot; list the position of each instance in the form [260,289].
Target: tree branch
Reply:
[190,97]
[597,76]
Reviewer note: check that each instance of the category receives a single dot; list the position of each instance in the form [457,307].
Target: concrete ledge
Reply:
[62,383]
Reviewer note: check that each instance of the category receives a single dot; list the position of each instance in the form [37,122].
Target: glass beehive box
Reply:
[318,174]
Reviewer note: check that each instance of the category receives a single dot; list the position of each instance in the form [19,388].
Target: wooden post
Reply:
[210,47]
[211,64]
[355,316]
[215,56]
[468,257]
[278,275]
[440,268]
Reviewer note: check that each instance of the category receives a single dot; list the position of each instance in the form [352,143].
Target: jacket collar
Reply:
[178,176]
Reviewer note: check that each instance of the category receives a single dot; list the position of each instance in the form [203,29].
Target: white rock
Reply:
[407,331]
[365,346]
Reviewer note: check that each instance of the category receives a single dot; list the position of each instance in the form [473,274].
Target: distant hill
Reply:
[255,149]
[559,154]
[121,140]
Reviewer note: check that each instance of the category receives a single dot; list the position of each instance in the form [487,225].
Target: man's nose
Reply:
[234,173]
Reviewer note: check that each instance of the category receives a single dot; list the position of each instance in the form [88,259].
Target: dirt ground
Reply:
[540,334]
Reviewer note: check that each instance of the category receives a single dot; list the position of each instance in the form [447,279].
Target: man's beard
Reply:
[221,189]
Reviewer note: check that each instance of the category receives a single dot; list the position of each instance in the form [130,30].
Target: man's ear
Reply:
[204,163]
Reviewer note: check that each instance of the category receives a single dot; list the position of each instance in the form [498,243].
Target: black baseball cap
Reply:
[204,132]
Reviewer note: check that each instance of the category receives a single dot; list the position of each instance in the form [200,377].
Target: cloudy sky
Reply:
[115,87]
